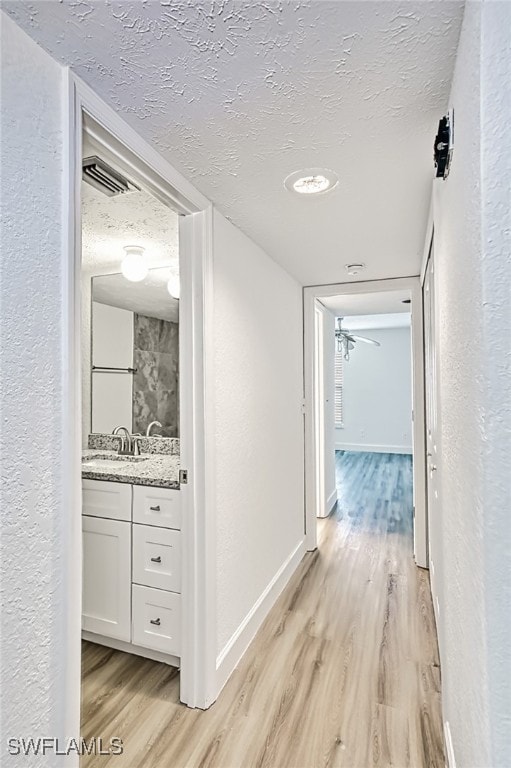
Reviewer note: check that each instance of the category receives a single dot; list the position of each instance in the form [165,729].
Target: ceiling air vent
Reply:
[102,176]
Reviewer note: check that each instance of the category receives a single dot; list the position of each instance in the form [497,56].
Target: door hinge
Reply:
[183,476]
[303,406]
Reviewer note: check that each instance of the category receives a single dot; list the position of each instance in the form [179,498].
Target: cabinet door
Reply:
[103,498]
[106,604]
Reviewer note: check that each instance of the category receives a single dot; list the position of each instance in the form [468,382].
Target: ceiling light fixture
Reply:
[174,286]
[354,269]
[134,266]
[311,181]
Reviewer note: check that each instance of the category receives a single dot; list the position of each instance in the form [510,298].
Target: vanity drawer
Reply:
[157,506]
[101,498]
[156,619]
[157,557]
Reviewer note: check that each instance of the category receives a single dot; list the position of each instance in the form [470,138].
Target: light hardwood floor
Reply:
[344,671]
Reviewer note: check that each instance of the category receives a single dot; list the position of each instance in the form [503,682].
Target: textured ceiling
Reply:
[149,297]
[239,94]
[377,322]
[385,302]
[135,218]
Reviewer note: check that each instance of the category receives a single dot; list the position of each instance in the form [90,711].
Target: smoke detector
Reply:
[354,269]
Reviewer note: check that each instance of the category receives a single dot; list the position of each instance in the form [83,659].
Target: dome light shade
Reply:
[174,286]
[134,266]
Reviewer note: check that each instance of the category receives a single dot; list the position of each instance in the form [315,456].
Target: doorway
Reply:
[96,130]
[432,435]
[350,299]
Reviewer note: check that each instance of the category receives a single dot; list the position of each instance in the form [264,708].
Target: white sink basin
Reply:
[110,461]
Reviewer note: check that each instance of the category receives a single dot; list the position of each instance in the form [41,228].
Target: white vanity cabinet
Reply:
[106,593]
[132,568]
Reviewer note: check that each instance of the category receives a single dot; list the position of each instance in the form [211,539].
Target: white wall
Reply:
[259,424]
[377,394]
[472,244]
[36,521]
[112,346]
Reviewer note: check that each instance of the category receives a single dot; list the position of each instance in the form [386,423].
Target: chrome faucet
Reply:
[151,425]
[126,444]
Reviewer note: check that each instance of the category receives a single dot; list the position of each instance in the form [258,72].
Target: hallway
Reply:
[344,671]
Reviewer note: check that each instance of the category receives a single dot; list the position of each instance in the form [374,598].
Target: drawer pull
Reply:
[155,509]
[155,621]
[156,559]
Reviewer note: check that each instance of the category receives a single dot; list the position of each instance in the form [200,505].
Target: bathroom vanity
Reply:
[131,519]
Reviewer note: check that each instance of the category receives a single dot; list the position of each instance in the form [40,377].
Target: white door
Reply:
[432,432]
[106,596]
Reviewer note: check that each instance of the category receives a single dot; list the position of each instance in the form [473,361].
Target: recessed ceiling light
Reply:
[354,269]
[311,181]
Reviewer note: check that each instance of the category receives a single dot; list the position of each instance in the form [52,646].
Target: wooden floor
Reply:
[344,671]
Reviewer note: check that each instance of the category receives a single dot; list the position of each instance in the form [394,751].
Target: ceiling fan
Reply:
[346,341]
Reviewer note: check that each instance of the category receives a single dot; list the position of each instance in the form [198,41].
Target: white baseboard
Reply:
[231,655]
[373,448]
[331,501]
[449,749]
[137,650]
[434,596]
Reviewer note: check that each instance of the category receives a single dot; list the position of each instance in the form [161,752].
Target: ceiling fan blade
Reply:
[352,337]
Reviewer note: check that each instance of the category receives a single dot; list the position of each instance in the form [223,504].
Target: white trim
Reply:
[231,654]
[427,240]
[198,530]
[331,501]
[363,447]
[436,605]
[310,295]
[449,749]
[69,704]
[319,405]
[136,650]
[420,522]
[198,662]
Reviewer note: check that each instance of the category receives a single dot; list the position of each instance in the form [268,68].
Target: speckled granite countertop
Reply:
[156,469]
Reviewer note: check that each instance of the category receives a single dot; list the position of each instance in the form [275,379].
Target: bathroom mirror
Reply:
[135,354]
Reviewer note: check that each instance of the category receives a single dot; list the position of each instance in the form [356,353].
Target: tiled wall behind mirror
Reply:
[135,354]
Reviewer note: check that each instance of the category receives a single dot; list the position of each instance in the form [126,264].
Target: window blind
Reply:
[339,376]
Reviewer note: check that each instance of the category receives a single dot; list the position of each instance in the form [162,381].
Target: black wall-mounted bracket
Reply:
[444,145]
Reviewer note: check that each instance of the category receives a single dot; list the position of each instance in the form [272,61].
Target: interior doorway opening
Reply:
[176,637]
[364,408]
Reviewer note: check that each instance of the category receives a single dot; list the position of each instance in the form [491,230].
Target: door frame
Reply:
[319,405]
[310,295]
[198,663]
